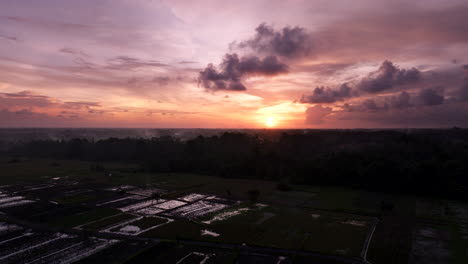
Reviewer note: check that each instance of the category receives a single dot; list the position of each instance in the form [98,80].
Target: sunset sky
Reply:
[234,64]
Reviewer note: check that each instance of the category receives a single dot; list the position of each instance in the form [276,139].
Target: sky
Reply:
[234,64]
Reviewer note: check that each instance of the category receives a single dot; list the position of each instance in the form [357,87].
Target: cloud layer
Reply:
[233,69]
[289,42]
[223,64]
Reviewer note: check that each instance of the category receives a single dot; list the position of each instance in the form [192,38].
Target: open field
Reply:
[177,207]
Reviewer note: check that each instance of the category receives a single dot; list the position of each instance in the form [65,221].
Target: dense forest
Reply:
[423,162]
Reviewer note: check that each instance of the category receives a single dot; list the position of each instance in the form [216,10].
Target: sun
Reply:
[270,121]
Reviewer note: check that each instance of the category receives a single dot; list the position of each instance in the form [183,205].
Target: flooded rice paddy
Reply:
[197,209]
[225,215]
[10,200]
[206,232]
[22,245]
[127,210]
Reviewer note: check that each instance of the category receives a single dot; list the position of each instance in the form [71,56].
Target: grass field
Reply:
[279,227]
[107,222]
[83,217]
[172,253]
[289,220]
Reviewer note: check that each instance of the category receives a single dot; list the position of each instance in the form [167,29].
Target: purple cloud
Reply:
[233,69]
[430,97]
[327,95]
[387,77]
[289,42]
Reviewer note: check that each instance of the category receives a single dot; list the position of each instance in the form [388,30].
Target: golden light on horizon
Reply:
[270,121]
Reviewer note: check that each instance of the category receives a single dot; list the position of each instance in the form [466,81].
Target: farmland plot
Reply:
[170,204]
[225,215]
[121,201]
[295,229]
[192,197]
[194,257]
[17,249]
[430,245]
[138,225]
[150,211]
[37,187]
[148,192]
[7,228]
[76,251]
[108,222]
[53,248]
[140,205]
[120,188]
[197,209]
[12,201]
[220,200]
[10,232]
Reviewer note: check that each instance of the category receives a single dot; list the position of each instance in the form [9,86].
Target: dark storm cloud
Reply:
[371,105]
[463,93]
[430,97]
[367,105]
[387,77]
[424,98]
[443,115]
[233,69]
[327,95]
[402,100]
[394,102]
[290,42]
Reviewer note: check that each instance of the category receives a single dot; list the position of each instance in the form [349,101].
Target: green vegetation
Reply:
[75,199]
[278,227]
[82,218]
[169,252]
[107,222]
[287,221]
[180,229]
[28,170]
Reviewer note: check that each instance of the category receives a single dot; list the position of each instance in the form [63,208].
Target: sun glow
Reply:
[270,121]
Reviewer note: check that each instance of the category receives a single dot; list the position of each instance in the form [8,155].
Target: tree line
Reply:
[423,162]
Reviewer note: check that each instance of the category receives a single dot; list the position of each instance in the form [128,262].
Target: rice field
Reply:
[139,205]
[321,219]
[27,246]
[107,222]
[10,200]
[197,209]
[147,192]
[192,197]
[225,215]
[138,225]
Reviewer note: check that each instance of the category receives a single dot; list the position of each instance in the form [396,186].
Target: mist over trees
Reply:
[424,162]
